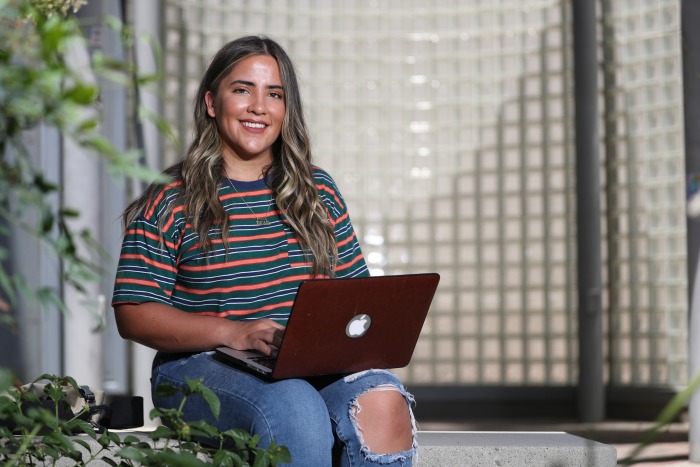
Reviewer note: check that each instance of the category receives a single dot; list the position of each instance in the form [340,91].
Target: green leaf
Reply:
[166,390]
[241,437]
[161,432]
[261,460]
[78,425]
[88,124]
[43,185]
[110,436]
[132,453]
[130,439]
[280,454]
[110,461]
[227,459]
[197,387]
[60,441]
[82,93]
[83,443]
[162,124]
[46,222]
[203,428]
[66,212]
[50,451]
[6,379]
[139,172]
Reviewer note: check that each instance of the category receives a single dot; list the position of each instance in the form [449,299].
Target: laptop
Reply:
[341,326]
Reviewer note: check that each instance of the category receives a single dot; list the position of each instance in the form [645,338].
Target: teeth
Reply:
[253,125]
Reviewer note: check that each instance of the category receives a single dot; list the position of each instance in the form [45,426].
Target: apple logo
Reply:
[358,326]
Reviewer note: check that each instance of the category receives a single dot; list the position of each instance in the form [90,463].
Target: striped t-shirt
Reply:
[256,277]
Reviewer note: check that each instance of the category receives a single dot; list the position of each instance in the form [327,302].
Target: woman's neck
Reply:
[245,171]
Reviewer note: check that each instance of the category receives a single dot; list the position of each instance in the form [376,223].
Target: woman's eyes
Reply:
[273,94]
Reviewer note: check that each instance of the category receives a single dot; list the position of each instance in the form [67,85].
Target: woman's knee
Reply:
[384,420]
[373,414]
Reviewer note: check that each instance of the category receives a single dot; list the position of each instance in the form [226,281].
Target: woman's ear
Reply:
[209,100]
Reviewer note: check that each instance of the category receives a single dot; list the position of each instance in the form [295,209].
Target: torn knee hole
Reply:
[357,404]
[386,426]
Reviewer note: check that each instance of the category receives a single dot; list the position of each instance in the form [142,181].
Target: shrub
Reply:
[40,429]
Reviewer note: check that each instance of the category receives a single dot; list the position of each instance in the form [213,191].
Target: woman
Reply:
[214,258]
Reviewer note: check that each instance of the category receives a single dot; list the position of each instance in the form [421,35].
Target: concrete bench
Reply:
[476,449]
[511,449]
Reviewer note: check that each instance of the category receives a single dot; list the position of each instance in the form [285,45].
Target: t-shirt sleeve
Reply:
[351,262]
[147,266]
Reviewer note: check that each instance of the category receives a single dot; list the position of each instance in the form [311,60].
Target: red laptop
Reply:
[347,325]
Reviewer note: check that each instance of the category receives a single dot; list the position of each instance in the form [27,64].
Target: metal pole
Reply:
[40,341]
[146,21]
[115,120]
[690,11]
[591,392]
[82,344]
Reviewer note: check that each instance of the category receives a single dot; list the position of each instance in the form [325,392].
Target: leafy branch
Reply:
[42,84]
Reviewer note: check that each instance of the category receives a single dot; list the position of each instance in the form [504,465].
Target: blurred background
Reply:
[449,127]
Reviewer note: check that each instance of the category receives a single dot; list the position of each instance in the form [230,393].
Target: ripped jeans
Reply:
[313,418]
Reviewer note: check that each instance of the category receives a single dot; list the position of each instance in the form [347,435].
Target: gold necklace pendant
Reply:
[258,220]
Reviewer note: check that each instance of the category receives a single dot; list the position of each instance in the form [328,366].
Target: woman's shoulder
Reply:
[162,198]
[323,178]
[327,189]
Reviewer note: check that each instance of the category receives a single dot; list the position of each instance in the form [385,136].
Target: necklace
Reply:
[258,220]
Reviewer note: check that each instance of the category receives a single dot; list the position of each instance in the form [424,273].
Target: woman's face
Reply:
[249,108]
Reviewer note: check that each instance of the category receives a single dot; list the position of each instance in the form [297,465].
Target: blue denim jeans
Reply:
[313,418]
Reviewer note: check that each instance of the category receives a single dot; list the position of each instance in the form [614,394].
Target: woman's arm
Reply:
[166,328]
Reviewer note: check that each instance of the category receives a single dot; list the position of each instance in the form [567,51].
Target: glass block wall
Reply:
[448,126]
[645,194]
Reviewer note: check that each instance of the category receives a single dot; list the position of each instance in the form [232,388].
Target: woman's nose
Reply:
[257,105]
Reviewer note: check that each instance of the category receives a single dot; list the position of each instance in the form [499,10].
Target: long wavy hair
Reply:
[290,175]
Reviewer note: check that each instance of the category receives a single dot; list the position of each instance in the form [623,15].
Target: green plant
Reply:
[667,416]
[38,430]
[41,85]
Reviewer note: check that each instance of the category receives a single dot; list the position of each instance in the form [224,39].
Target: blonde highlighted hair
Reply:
[290,175]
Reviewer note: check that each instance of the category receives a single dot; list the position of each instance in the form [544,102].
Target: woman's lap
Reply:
[308,417]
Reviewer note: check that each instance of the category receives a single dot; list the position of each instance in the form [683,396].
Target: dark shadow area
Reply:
[466,403]
[656,460]
[9,338]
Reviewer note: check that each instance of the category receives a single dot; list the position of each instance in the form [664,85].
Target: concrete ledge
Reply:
[463,449]
[511,449]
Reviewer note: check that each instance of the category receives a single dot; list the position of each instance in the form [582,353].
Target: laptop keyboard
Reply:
[268,362]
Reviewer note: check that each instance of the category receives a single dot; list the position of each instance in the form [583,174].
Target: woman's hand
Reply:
[263,335]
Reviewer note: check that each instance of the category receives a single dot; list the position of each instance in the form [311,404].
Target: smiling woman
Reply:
[215,257]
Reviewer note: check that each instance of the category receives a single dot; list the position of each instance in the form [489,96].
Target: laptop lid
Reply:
[352,324]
